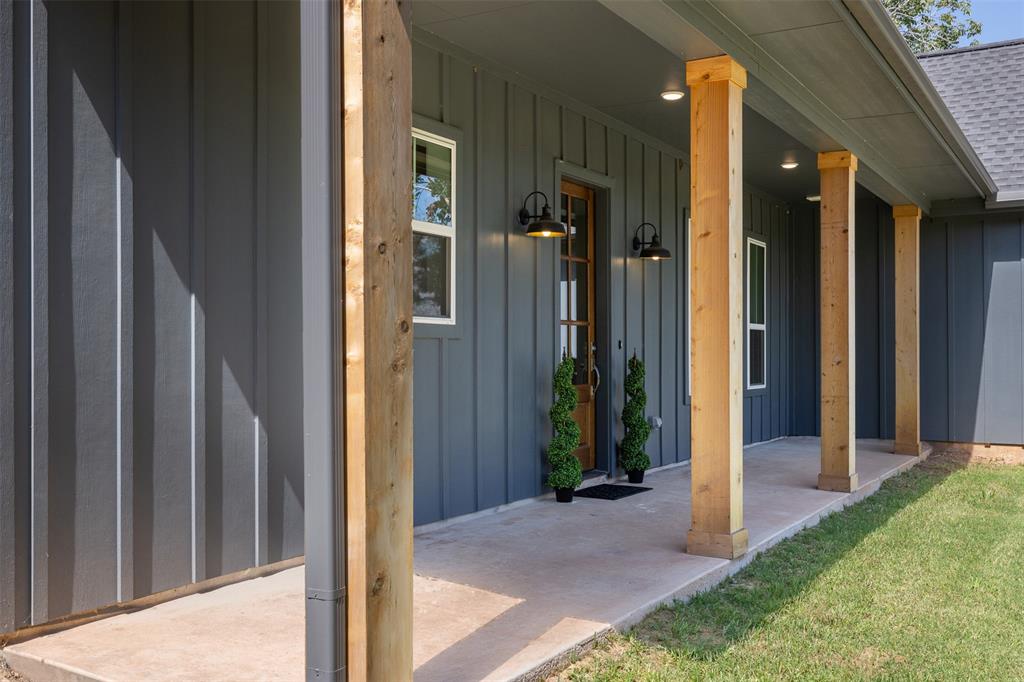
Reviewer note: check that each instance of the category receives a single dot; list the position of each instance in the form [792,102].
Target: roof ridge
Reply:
[973,48]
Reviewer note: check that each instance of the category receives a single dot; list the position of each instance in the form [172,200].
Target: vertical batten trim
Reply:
[478,471]
[537,307]
[446,88]
[198,298]
[984,385]
[8,455]
[509,203]
[445,459]
[556,276]
[40,367]
[950,334]
[661,308]
[125,307]
[261,319]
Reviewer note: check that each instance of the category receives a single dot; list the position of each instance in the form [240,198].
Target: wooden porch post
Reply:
[907,278]
[377,90]
[716,242]
[838,323]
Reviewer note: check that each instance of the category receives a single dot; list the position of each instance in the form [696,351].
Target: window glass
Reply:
[432,183]
[756,283]
[434,228]
[757,357]
[430,275]
[756,314]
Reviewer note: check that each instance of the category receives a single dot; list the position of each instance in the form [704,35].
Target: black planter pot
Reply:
[564,494]
[636,476]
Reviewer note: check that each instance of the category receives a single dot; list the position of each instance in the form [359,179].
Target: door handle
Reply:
[597,375]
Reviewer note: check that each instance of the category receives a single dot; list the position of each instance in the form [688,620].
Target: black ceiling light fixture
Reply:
[543,225]
[649,250]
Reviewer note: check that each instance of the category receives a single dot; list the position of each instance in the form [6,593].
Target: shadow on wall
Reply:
[173,143]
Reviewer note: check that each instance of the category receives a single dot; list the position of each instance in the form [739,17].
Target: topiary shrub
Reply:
[566,472]
[634,458]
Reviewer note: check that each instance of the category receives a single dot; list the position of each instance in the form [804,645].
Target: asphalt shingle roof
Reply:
[983,86]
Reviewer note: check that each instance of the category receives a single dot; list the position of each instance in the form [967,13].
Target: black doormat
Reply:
[610,491]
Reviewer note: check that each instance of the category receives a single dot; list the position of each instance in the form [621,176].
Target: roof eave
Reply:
[872,17]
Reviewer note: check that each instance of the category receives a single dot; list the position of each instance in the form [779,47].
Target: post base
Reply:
[838,484]
[721,545]
[911,448]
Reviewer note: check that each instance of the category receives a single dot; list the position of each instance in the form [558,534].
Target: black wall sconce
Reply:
[543,225]
[649,250]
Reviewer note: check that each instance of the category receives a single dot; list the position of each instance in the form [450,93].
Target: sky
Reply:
[1000,19]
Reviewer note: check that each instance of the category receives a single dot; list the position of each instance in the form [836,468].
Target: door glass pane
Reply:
[568,344]
[430,275]
[563,294]
[579,292]
[432,183]
[755,285]
[756,347]
[580,226]
[565,221]
[580,372]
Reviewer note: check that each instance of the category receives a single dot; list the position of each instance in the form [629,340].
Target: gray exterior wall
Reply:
[972,322]
[483,387]
[150,299]
[875,363]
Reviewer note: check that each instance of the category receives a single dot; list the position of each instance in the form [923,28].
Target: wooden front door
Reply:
[577,308]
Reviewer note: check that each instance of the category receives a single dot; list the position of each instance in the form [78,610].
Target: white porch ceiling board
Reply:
[851,86]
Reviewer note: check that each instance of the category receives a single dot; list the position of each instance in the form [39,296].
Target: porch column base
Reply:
[838,484]
[914,449]
[721,545]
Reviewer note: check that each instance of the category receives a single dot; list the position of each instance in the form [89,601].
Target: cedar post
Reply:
[378,331]
[838,323]
[907,219]
[716,242]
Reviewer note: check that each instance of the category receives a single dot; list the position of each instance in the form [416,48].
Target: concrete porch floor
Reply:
[498,596]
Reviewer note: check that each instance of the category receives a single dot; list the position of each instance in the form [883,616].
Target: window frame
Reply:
[759,326]
[448,231]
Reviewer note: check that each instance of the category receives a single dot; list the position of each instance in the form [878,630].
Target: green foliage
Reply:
[565,468]
[634,458]
[929,25]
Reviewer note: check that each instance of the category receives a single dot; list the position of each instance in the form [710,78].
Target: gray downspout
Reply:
[322,380]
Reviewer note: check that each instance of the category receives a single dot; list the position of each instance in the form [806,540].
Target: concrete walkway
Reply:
[499,596]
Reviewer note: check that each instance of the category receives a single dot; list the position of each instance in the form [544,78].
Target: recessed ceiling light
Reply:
[672,95]
[813,197]
[789,165]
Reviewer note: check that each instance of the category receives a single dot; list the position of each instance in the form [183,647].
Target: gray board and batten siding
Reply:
[483,386]
[972,325]
[150,299]
[875,318]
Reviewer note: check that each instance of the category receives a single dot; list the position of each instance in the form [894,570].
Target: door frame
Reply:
[605,456]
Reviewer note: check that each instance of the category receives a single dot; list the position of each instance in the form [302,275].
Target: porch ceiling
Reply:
[585,51]
[818,81]
[836,75]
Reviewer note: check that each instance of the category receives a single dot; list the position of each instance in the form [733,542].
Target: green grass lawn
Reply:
[923,580]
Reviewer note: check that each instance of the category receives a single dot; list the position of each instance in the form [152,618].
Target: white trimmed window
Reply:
[433,228]
[757,304]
